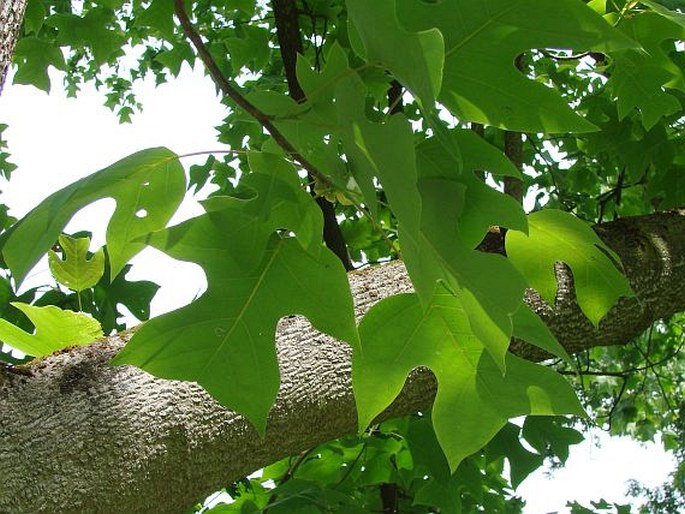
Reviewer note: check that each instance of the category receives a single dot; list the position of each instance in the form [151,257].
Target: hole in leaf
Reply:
[141,213]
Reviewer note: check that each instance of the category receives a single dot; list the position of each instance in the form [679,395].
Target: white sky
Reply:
[55,141]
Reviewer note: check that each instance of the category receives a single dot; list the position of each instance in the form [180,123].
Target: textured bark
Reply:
[77,435]
[11,16]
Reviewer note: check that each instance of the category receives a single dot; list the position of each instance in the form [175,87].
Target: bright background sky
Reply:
[55,141]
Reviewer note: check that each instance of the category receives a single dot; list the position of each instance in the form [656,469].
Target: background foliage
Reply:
[394,128]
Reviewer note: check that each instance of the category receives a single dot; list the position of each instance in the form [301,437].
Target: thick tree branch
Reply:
[77,435]
[11,16]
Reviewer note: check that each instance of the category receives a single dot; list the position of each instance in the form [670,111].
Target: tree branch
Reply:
[11,16]
[290,44]
[78,435]
[235,95]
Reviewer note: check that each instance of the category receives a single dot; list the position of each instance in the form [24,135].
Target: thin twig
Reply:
[231,92]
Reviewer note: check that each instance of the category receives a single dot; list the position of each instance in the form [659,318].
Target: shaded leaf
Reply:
[76,271]
[508,444]
[148,186]
[160,16]
[483,38]
[641,79]
[97,30]
[418,65]
[33,57]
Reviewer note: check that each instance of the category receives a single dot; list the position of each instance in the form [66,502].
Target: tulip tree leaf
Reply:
[76,271]
[97,30]
[225,340]
[418,65]
[482,41]
[428,203]
[159,16]
[148,186]
[54,329]
[640,77]
[474,398]
[483,206]
[557,236]
[33,56]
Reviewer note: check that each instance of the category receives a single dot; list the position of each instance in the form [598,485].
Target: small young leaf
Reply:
[55,329]
[559,236]
[76,271]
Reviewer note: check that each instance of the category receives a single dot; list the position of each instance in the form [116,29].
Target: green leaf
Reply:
[33,57]
[225,342]
[557,236]
[76,271]
[34,17]
[547,434]
[428,212]
[174,58]
[55,329]
[483,207]
[418,65]
[225,339]
[508,444]
[483,38]
[160,16]
[148,186]
[641,78]
[529,327]
[134,295]
[474,399]
[97,30]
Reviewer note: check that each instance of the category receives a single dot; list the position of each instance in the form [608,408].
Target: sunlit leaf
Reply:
[474,398]
[225,340]
[557,236]
[54,329]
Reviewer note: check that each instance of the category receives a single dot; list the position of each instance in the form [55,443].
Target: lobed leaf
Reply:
[148,186]
[225,340]
[483,38]
[418,65]
[474,398]
[557,236]
[641,79]
[55,329]
[76,271]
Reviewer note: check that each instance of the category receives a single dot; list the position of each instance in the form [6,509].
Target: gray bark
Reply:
[11,17]
[77,435]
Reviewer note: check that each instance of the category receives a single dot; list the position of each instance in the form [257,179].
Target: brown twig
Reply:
[231,92]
